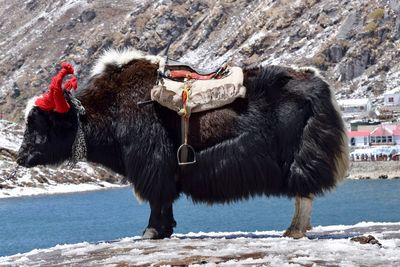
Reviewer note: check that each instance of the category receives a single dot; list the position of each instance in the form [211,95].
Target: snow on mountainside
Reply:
[355,43]
[19,181]
[326,246]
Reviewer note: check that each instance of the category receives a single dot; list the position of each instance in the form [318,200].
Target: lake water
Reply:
[44,221]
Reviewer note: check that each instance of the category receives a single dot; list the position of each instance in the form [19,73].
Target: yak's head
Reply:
[51,124]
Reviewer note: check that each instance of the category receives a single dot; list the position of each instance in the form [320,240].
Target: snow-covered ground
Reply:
[326,246]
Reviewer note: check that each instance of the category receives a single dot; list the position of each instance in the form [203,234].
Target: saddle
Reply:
[201,94]
[186,89]
[179,70]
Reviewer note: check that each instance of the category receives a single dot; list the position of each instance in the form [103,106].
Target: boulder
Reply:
[87,16]
[335,53]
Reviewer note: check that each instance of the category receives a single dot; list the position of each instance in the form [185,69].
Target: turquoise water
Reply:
[44,221]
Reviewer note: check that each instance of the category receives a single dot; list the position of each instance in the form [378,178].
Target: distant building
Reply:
[355,108]
[359,138]
[364,125]
[392,98]
[386,134]
[382,135]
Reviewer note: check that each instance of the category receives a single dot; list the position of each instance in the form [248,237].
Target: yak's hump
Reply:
[120,57]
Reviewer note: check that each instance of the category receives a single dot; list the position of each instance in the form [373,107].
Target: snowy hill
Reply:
[326,246]
[355,43]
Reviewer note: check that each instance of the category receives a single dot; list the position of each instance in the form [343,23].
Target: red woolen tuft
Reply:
[67,67]
[45,102]
[71,84]
[53,99]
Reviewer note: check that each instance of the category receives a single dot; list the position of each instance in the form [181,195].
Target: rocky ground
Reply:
[19,181]
[363,244]
[374,170]
[354,43]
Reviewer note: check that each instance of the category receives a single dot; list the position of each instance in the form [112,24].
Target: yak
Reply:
[286,137]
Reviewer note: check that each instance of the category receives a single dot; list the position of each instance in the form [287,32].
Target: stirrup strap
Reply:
[184,149]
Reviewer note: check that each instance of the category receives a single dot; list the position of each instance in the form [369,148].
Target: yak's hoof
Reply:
[150,233]
[168,232]
[296,234]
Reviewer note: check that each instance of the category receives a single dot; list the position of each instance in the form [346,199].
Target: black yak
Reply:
[285,138]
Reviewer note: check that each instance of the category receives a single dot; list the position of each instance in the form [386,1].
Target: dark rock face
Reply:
[356,66]
[16,91]
[383,33]
[87,16]
[335,53]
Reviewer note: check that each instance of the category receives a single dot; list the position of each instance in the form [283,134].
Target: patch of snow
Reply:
[326,246]
[10,135]
[51,189]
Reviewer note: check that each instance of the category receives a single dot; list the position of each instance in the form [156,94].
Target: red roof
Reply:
[382,131]
[357,133]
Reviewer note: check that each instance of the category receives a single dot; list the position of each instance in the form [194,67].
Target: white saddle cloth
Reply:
[204,94]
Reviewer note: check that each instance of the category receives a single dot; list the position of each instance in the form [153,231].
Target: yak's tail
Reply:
[323,157]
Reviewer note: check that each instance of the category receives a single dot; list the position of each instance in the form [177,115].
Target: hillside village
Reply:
[373,130]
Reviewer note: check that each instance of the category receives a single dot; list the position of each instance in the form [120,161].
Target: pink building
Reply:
[384,134]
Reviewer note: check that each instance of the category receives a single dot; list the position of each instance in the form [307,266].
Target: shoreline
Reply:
[374,170]
[87,187]
[59,189]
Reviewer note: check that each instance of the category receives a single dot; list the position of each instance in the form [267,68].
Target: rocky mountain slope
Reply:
[355,43]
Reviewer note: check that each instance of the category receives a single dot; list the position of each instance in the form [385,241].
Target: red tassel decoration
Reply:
[53,99]
[71,84]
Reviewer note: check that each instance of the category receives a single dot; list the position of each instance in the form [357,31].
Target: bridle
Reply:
[79,148]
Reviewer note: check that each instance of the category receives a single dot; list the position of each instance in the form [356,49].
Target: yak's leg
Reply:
[153,230]
[161,222]
[301,221]
[168,220]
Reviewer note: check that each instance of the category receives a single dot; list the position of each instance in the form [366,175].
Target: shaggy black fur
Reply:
[285,138]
